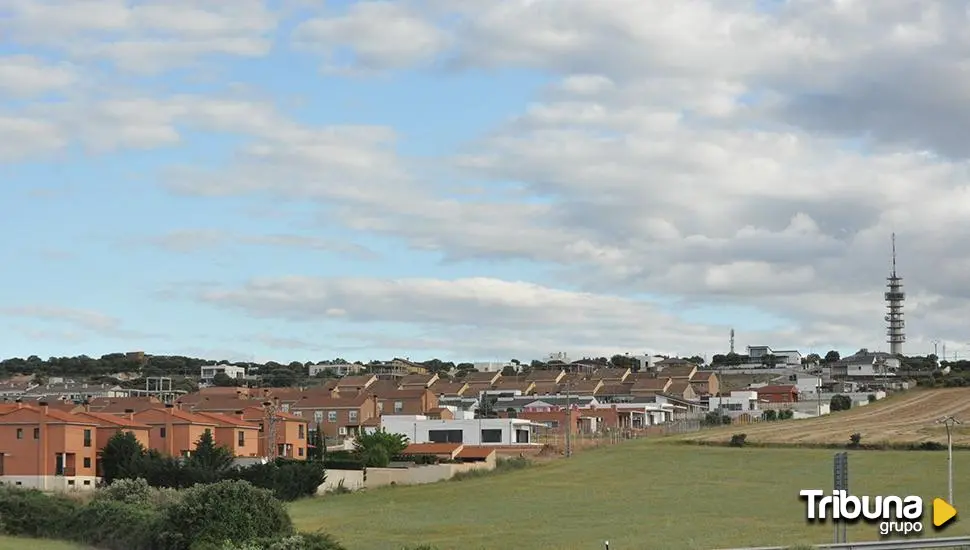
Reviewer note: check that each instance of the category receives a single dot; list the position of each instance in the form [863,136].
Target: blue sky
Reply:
[427,179]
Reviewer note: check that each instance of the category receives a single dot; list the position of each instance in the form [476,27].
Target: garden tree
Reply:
[318,445]
[840,403]
[832,356]
[122,457]
[222,379]
[279,377]
[486,408]
[811,358]
[509,370]
[376,449]
[625,362]
[696,359]
[462,368]
[210,457]
[728,359]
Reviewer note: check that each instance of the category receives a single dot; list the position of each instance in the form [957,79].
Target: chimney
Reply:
[20,403]
[87,406]
[170,408]
[130,413]
[43,406]
[241,415]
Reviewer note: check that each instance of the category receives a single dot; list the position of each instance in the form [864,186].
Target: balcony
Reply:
[66,471]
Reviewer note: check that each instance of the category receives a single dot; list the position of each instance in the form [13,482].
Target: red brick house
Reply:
[786,393]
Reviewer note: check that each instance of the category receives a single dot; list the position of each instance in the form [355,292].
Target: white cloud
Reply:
[25,76]
[380,34]
[196,240]
[147,36]
[468,316]
[91,322]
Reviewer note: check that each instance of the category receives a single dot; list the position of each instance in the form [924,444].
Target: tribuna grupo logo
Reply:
[893,514]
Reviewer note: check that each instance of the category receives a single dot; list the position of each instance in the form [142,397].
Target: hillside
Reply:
[904,418]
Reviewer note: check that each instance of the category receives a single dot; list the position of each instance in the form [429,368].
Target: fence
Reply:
[954,543]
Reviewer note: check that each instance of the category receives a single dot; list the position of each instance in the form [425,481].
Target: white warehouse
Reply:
[232,371]
[485,431]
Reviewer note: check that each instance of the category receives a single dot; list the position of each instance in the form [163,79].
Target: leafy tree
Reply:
[122,457]
[223,380]
[318,445]
[210,457]
[509,370]
[376,449]
[832,356]
[840,403]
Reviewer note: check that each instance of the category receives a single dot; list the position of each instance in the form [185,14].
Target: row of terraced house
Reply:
[57,445]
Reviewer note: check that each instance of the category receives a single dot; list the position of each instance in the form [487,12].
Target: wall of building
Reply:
[52,483]
[381,477]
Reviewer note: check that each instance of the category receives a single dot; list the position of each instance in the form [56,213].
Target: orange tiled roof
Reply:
[227,419]
[475,452]
[113,419]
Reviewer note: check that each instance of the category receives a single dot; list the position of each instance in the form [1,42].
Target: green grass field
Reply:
[15,543]
[638,495]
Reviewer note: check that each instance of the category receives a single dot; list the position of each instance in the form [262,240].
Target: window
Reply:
[318,416]
[87,462]
[87,438]
[491,436]
[242,438]
[36,433]
[301,432]
[353,416]
[286,408]
[161,432]
[445,436]
[300,451]
[20,433]
[87,482]
[398,406]
[331,416]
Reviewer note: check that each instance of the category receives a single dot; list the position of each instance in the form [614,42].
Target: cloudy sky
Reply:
[480,180]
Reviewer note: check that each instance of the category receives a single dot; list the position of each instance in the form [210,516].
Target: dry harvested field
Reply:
[903,418]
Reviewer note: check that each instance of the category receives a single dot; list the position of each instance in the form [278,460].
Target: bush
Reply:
[302,541]
[770,415]
[739,440]
[352,464]
[227,511]
[840,403]
[31,513]
[786,414]
[931,446]
[855,440]
[288,479]
[871,397]
[116,525]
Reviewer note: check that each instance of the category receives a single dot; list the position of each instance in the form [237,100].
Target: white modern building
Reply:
[490,366]
[737,403]
[485,431]
[788,357]
[339,369]
[232,371]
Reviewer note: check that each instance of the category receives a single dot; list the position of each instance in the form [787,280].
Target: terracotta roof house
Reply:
[681,370]
[234,433]
[111,424]
[611,374]
[115,405]
[581,387]
[648,385]
[614,389]
[475,377]
[786,393]
[512,384]
[449,389]
[447,451]
[546,375]
[545,388]
[709,380]
[355,383]
[47,449]
[407,401]
[440,413]
[291,432]
[337,416]
[682,389]
[418,381]
[173,432]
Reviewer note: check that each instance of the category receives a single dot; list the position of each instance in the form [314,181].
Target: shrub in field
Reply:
[302,541]
[31,513]
[739,440]
[227,511]
[288,479]
[116,525]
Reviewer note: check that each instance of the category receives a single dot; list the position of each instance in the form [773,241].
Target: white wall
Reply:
[416,428]
[52,483]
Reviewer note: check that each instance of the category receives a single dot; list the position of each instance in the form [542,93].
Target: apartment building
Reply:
[174,432]
[47,449]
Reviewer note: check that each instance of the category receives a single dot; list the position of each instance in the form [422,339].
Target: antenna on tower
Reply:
[732,341]
[894,254]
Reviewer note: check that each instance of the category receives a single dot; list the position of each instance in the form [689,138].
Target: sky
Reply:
[479,181]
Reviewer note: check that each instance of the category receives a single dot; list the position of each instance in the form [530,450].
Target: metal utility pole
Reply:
[818,393]
[569,417]
[948,421]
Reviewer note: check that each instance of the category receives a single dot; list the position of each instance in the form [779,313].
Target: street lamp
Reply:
[948,421]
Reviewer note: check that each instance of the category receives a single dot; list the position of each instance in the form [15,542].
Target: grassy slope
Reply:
[642,494]
[16,543]
[906,417]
